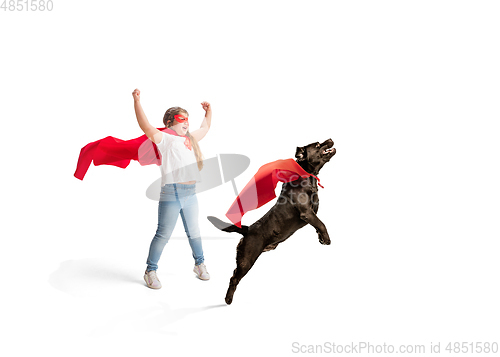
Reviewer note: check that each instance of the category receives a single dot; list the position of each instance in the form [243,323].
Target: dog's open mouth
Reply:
[329,150]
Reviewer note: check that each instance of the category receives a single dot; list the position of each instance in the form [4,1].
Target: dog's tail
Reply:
[227,227]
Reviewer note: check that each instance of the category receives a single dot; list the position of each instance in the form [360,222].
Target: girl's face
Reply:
[181,128]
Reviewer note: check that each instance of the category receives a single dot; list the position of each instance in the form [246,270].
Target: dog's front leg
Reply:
[308,215]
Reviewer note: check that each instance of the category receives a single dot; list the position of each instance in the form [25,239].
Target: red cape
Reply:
[118,152]
[260,189]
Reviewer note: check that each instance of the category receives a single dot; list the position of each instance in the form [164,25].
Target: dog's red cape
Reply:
[118,152]
[260,189]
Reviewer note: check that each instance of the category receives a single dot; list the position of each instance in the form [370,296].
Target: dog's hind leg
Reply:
[247,253]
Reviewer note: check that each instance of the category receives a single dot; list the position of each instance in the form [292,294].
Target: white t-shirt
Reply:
[178,163]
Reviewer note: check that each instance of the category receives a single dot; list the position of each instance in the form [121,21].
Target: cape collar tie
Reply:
[187,142]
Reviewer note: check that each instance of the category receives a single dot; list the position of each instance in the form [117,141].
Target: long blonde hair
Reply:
[168,120]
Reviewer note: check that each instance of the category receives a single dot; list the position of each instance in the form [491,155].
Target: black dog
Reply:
[297,206]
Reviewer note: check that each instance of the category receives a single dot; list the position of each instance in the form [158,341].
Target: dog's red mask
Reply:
[180,118]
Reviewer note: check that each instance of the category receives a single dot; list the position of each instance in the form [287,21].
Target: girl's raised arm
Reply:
[200,133]
[151,132]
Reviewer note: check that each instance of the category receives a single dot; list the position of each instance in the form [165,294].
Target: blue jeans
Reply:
[174,199]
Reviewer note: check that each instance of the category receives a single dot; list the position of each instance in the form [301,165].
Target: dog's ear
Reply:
[300,154]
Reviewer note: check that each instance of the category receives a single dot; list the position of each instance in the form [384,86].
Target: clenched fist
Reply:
[137,95]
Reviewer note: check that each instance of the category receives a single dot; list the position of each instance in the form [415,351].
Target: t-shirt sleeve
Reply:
[165,142]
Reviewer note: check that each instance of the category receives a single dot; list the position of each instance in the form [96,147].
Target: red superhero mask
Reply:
[180,118]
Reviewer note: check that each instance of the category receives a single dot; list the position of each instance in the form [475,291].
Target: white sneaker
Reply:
[152,280]
[201,271]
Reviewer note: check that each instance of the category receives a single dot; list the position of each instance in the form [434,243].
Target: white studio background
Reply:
[407,90]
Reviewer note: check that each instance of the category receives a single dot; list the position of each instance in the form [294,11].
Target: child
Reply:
[180,170]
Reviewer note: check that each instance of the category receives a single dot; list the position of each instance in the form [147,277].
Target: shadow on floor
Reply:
[86,276]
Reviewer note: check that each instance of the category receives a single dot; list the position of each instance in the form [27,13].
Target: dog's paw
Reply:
[324,239]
